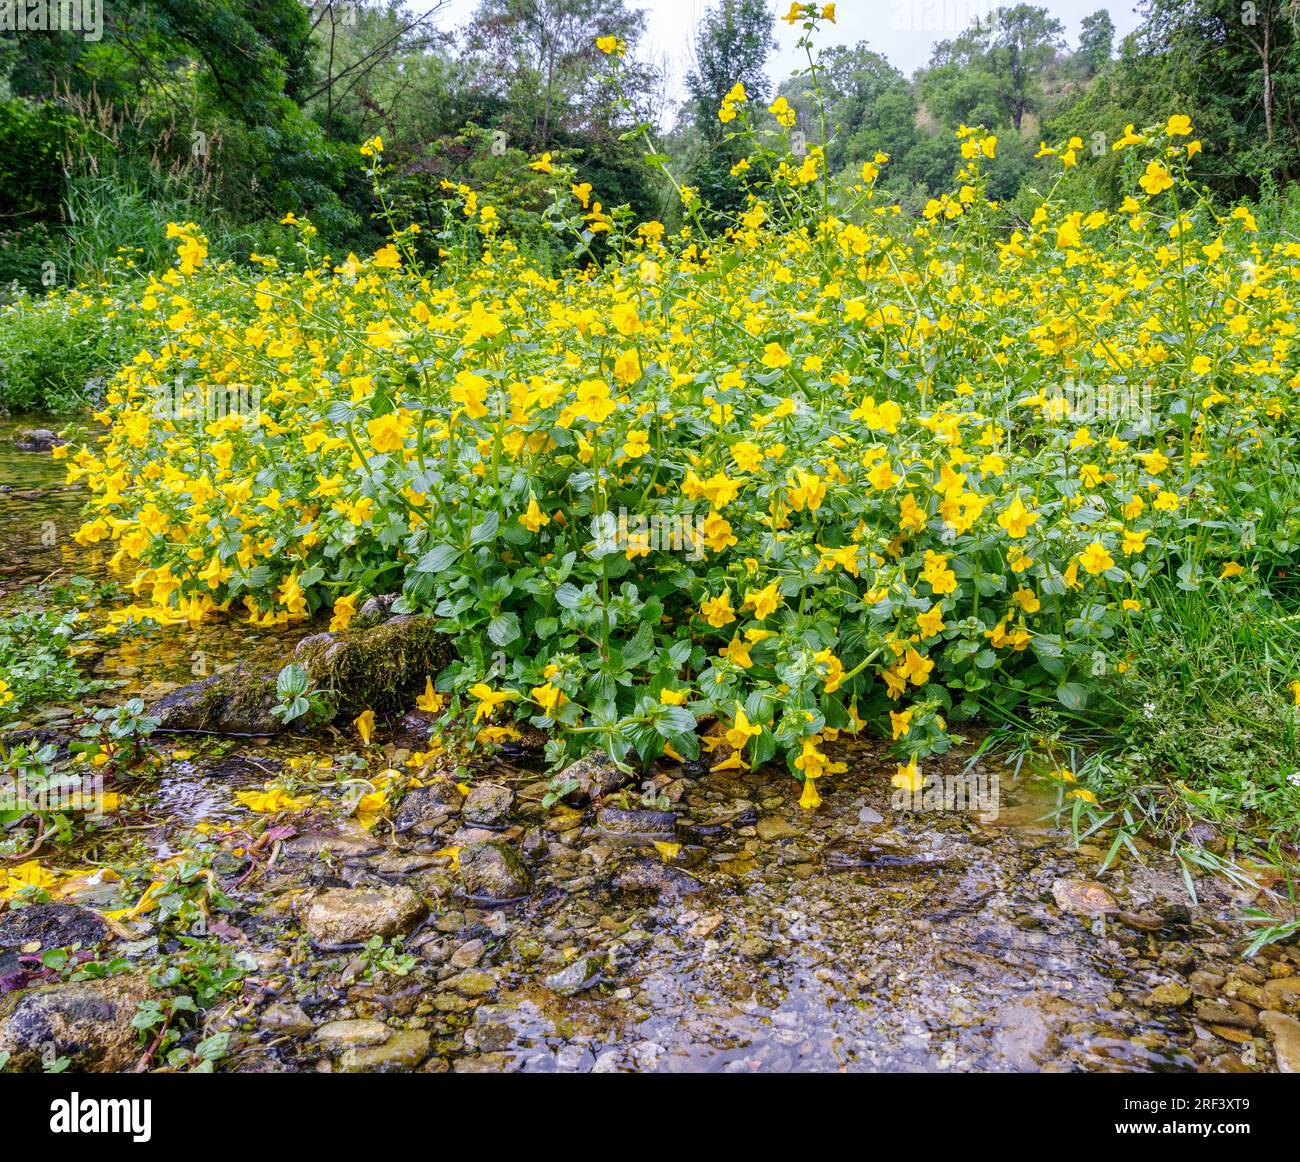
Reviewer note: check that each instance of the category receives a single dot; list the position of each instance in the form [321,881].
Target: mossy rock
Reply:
[382,668]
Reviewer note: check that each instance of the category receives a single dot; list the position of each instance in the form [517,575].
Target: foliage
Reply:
[892,504]
[35,665]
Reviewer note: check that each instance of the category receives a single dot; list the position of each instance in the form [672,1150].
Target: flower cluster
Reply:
[926,466]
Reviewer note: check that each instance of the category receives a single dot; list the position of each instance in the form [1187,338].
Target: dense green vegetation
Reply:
[231,116]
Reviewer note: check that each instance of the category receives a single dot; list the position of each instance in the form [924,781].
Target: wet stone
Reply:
[1083,898]
[647,875]
[628,822]
[337,1036]
[425,809]
[52,926]
[286,1018]
[493,871]
[1284,1031]
[338,917]
[88,1022]
[471,983]
[401,1053]
[488,805]
[467,955]
[774,827]
[596,776]
[582,974]
[1282,994]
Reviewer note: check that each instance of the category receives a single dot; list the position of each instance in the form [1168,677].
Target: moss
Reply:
[381,669]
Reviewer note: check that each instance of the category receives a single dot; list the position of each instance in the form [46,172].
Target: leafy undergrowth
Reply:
[818,468]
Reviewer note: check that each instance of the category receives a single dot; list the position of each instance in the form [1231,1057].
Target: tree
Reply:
[541,57]
[869,104]
[1096,40]
[732,43]
[1009,49]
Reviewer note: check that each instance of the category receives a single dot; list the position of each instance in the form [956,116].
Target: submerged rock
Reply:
[88,1022]
[325,836]
[285,1018]
[52,926]
[582,974]
[621,821]
[401,1053]
[494,871]
[648,875]
[1083,898]
[343,916]
[337,1036]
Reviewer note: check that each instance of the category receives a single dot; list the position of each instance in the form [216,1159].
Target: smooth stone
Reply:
[286,1018]
[1282,994]
[343,916]
[359,1034]
[401,1053]
[1285,1034]
[774,827]
[471,983]
[626,821]
[648,875]
[1083,898]
[467,955]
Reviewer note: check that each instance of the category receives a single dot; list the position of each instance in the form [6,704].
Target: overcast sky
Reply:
[902,30]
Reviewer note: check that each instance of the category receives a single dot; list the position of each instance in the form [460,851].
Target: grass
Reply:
[1195,745]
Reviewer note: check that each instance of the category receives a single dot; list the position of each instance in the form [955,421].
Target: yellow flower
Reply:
[1178,125]
[270,799]
[1156,179]
[742,730]
[345,609]
[909,778]
[430,701]
[533,518]
[1016,518]
[717,611]
[611,45]
[810,800]
[764,602]
[1095,559]
[365,724]
[489,699]
[775,357]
